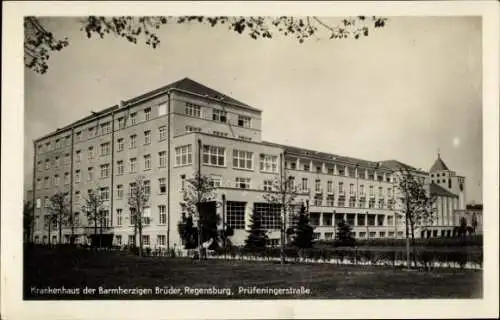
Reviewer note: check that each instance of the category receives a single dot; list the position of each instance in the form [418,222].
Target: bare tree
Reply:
[283,193]
[40,42]
[59,210]
[417,206]
[198,191]
[138,199]
[93,207]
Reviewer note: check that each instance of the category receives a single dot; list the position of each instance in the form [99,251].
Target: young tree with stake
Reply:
[59,211]
[93,207]
[138,199]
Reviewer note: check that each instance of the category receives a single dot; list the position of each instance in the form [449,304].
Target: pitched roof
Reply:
[331,157]
[438,165]
[192,86]
[398,165]
[437,190]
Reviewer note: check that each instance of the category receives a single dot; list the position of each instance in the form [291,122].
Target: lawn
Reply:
[81,269]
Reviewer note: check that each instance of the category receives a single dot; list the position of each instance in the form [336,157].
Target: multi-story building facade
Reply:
[169,134]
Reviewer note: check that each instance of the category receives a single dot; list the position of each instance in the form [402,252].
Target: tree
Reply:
[257,236]
[28,220]
[39,42]
[283,194]
[188,232]
[303,231]
[343,236]
[93,207]
[138,199]
[199,195]
[417,207]
[59,211]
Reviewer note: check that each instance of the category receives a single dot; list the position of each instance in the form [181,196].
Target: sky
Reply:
[404,92]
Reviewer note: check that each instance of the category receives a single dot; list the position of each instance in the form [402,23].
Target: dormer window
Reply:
[219,115]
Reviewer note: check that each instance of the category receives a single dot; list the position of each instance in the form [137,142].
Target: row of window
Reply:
[354,220]
[361,234]
[103,129]
[345,171]
[194,110]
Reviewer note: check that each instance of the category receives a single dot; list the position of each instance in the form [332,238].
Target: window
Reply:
[242,159]
[66,178]
[46,202]
[270,215]
[105,128]
[57,162]
[318,200]
[400,233]
[341,187]
[147,114]
[293,166]
[371,203]
[104,193]
[162,132]
[147,187]
[162,159]
[361,190]
[341,201]
[235,217]
[216,181]
[121,123]
[78,137]
[389,192]
[133,118]
[47,164]
[105,170]
[361,219]
[371,219]
[58,144]
[213,155]
[268,163]
[91,153]
[341,171]
[380,220]
[38,183]
[193,110]
[46,182]
[183,155]
[381,203]
[380,192]
[131,240]
[119,191]
[91,132]
[105,149]
[371,175]
[66,160]
[330,200]
[133,141]
[245,138]
[147,137]
[220,134]
[329,187]
[162,109]
[38,203]
[390,234]
[119,167]
[147,162]
[362,234]
[119,240]
[449,183]
[351,189]
[78,156]
[147,216]
[120,144]
[317,186]
[352,202]
[304,186]
[162,215]
[330,170]
[133,165]
[192,129]
[219,115]
[56,180]
[268,185]
[361,173]
[145,240]
[242,183]
[306,167]
[390,220]
[244,121]
[90,173]
[316,235]
[163,185]
[351,172]
[371,192]
[160,239]
[362,202]
[77,176]
[119,217]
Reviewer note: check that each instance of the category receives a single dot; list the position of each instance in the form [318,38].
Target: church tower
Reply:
[447,179]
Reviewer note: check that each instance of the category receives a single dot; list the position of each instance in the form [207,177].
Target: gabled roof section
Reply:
[439,165]
[328,156]
[192,86]
[398,165]
[437,190]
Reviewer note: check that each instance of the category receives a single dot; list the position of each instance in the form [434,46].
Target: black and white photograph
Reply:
[173,155]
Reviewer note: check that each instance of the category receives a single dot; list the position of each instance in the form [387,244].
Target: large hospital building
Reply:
[161,134]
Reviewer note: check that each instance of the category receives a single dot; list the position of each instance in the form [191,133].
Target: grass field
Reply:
[79,269]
